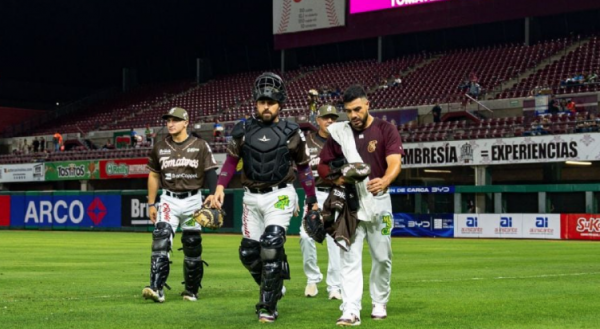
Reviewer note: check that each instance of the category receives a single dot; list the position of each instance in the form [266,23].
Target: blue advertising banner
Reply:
[84,211]
[420,189]
[427,225]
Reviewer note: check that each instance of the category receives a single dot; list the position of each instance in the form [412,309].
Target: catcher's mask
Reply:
[269,86]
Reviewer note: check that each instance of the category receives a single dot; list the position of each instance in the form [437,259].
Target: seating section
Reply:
[76,154]
[439,80]
[584,60]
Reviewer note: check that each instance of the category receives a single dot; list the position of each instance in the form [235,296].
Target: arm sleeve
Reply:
[228,170]
[211,180]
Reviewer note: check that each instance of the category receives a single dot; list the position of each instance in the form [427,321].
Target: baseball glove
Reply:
[209,217]
[313,225]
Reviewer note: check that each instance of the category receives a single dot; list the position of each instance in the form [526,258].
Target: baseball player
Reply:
[326,115]
[368,140]
[180,164]
[268,146]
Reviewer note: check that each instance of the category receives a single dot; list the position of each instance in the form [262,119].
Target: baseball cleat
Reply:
[265,316]
[311,290]
[157,296]
[335,294]
[189,296]
[379,312]
[283,291]
[348,319]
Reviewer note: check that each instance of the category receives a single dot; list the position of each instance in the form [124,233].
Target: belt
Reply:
[266,189]
[181,195]
[324,189]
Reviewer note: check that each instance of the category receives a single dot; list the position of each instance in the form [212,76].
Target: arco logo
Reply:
[64,211]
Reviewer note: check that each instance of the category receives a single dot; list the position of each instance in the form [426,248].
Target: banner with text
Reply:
[5,210]
[581,226]
[362,6]
[438,225]
[24,172]
[124,168]
[304,15]
[420,189]
[72,170]
[518,150]
[84,211]
[529,226]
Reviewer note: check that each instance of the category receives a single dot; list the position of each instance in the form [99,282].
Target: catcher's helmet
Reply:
[269,86]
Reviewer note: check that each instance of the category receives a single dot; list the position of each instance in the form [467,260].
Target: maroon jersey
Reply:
[374,144]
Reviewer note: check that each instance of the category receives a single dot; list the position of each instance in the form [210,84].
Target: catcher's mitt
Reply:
[209,217]
[313,225]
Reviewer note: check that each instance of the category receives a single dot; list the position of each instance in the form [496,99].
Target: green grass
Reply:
[94,280]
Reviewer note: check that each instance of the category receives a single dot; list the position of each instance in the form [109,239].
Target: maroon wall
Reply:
[431,16]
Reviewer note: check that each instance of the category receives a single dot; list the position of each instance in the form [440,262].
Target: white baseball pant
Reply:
[378,236]
[309,254]
[272,208]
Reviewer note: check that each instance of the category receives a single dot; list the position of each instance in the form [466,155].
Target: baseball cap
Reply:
[326,110]
[177,112]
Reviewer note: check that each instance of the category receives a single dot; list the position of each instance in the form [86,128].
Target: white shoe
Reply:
[311,290]
[335,294]
[348,319]
[156,296]
[189,296]
[379,312]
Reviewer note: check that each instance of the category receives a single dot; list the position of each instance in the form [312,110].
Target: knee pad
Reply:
[192,243]
[161,238]
[250,257]
[271,243]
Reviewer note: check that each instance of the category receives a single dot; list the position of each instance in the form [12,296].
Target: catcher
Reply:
[180,164]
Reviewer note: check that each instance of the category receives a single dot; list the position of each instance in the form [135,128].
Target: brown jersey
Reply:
[296,145]
[315,143]
[181,165]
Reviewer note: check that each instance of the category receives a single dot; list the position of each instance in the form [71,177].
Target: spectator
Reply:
[25,146]
[397,80]
[313,99]
[474,90]
[571,106]
[133,136]
[58,141]
[36,145]
[109,145]
[591,77]
[553,106]
[149,135]
[436,111]
[42,144]
[593,122]
[218,128]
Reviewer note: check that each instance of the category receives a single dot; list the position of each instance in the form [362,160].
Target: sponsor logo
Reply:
[139,209]
[166,162]
[339,193]
[71,171]
[588,225]
[284,201]
[472,226]
[48,212]
[423,224]
[116,169]
[466,153]
[541,227]
[386,219]
[193,149]
[541,222]
[164,151]
[264,139]
[506,226]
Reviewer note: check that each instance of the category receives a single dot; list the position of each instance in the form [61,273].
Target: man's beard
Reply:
[271,119]
[361,127]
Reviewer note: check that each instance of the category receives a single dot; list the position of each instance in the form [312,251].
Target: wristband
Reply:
[153,205]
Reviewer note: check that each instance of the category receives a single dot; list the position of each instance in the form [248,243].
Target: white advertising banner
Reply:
[515,150]
[541,226]
[304,15]
[24,172]
[507,226]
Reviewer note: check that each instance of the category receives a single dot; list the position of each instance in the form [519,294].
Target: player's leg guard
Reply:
[193,269]
[250,257]
[160,263]
[275,267]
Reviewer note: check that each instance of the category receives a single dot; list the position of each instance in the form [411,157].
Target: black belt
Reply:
[181,195]
[324,189]
[266,189]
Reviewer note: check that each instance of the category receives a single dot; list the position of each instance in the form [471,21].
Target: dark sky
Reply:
[84,44]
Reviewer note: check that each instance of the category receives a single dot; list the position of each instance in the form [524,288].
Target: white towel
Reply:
[341,132]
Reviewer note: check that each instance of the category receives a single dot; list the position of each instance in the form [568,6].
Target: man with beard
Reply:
[268,146]
[373,141]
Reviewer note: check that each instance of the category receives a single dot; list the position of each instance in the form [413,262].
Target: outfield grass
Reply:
[95,279]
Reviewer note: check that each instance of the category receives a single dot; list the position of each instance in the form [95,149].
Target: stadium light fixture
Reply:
[437,171]
[579,163]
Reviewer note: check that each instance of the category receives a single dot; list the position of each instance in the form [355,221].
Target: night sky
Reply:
[82,45]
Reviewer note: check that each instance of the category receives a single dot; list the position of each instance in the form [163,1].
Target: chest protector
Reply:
[265,151]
